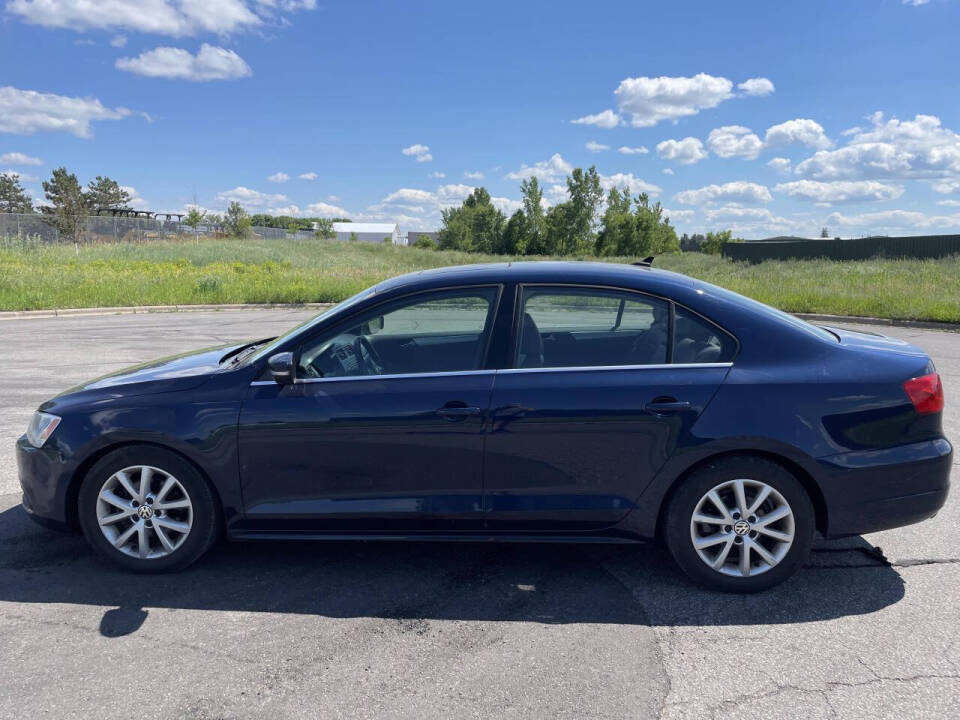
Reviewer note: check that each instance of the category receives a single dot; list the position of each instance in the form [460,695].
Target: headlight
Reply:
[41,427]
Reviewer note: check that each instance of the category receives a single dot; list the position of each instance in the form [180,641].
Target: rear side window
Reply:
[586,327]
[697,341]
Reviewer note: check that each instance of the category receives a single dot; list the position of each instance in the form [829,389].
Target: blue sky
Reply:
[764,117]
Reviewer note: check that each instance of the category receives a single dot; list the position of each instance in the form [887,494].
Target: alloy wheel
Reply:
[742,528]
[144,512]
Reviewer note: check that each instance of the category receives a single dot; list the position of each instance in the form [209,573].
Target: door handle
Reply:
[455,412]
[665,405]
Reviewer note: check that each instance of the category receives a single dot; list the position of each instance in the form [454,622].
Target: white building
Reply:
[368,232]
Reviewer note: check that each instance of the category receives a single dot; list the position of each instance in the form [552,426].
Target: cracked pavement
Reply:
[421,630]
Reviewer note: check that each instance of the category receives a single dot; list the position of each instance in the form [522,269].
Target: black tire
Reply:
[683,502]
[206,515]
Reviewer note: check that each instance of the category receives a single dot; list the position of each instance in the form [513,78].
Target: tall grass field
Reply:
[34,277]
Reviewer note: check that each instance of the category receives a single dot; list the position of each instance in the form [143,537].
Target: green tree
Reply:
[475,226]
[194,218]
[293,227]
[618,231]
[66,207]
[516,236]
[324,229]
[237,221]
[585,198]
[714,241]
[13,198]
[824,233]
[425,241]
[105,193]
[533,241]
[354,237]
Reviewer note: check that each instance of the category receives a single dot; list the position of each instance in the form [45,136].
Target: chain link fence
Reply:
[35,228]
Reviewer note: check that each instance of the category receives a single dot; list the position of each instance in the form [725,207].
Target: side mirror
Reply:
[281,367]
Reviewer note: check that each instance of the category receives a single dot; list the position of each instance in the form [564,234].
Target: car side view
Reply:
[560,401]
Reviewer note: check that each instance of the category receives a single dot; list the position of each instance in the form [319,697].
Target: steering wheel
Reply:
[367,357]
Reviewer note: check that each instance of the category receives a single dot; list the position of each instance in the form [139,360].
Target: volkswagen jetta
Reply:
[581,402]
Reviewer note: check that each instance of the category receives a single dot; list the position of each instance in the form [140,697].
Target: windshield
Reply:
[265,350]
[772,313]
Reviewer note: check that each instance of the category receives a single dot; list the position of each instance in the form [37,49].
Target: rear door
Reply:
[593,406]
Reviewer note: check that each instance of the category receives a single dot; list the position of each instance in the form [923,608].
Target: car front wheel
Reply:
[147,509]
[740,524]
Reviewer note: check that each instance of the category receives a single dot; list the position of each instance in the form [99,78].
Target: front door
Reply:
[593,407]
[382,431]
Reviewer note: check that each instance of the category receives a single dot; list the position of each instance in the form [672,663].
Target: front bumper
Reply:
[872,490]
[45,479]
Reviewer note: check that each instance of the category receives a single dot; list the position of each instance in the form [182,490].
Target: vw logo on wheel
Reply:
[145,512]
[741,527]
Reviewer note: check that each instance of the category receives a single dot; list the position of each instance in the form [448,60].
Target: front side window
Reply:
[443,331]
[586,327]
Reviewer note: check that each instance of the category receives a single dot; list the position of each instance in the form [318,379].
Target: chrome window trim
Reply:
[585,368]
[511,371]
[395,376]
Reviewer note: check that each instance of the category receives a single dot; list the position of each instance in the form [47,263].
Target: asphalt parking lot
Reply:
[422,630]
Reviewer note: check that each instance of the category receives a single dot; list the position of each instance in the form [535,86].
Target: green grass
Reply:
[36,277]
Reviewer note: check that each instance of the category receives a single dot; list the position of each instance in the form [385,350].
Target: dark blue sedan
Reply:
[578,402]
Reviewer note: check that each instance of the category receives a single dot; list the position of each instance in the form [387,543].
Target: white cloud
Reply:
[946,186]
[686,152]
[333,198]
[278,177]
[118,41]
[802,130]
[251,199]
[668,171]
[596,147]
[24,112]
[650,100]
[160,17]
[915,3]
[322,209]
[308,176]
[555,194]
[734,141]
[473,175]
[10,173]
[135,201]
[210,63]
[756,86]
[737,191]
[682,215]
[409,197]
[453,194]
[625,150]
[894,221]
[606,119]
[16,158]
[840,191]
[418,151]
[506,205]
[780,164]
[437,174]
[949,203]
[918,148]
[627,180]
[551,170]
[737,211]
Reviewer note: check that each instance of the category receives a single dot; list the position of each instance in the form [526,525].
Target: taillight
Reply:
[926,393]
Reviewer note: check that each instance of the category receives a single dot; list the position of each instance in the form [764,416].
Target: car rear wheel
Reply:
[740,524]
[147,509]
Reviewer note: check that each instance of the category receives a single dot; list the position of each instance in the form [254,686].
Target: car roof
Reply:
[581,272]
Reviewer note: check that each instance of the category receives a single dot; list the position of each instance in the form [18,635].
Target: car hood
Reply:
[170,374]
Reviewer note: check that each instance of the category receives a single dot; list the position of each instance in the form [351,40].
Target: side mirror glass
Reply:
[281,367]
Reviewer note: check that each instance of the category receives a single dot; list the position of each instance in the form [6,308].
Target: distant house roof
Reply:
[358,228]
